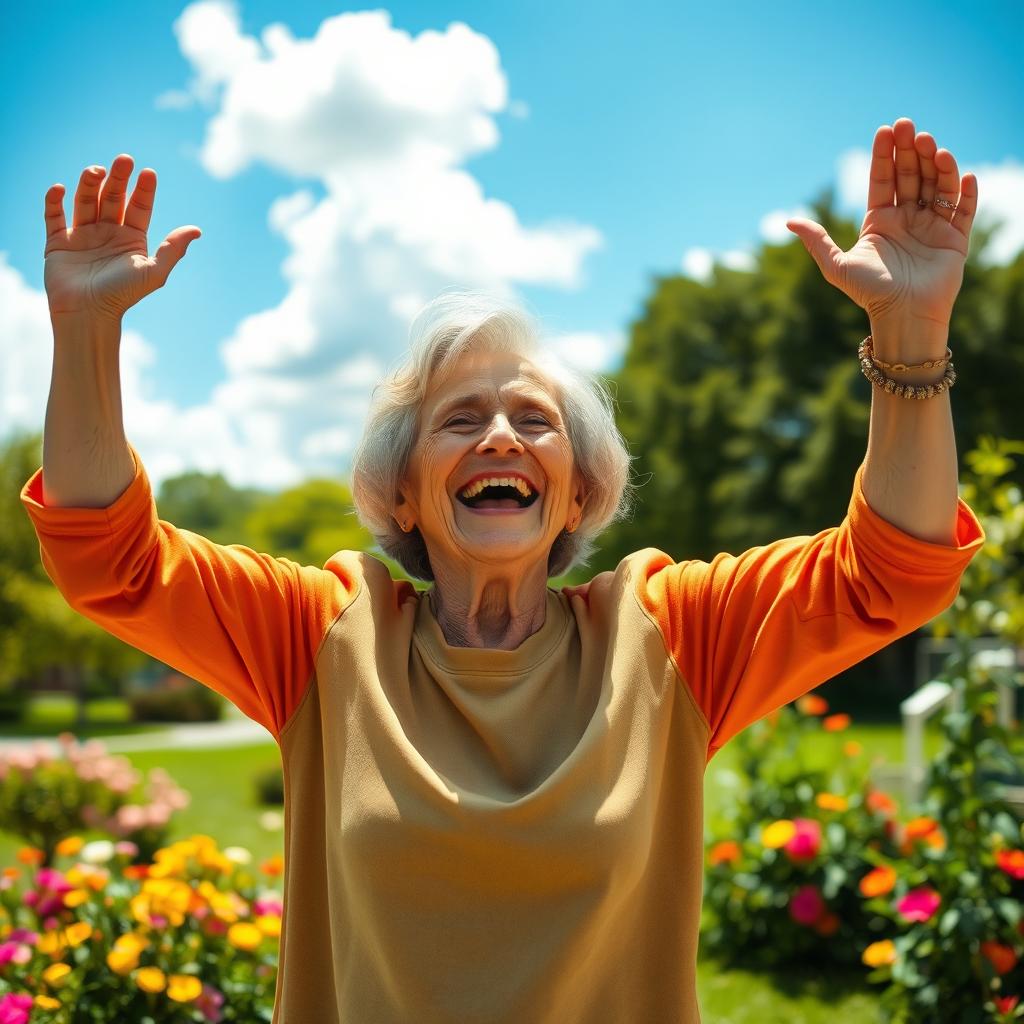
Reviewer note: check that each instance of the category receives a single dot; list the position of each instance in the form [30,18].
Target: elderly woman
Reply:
[493,788]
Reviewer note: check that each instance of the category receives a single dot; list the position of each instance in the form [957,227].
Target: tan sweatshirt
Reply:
[484,836]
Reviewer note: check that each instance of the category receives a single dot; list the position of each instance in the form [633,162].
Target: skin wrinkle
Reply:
[494,412]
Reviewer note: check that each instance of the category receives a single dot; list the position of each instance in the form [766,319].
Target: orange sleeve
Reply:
[247,625]
[751,632]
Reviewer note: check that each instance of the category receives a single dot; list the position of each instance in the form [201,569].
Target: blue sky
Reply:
[584,149]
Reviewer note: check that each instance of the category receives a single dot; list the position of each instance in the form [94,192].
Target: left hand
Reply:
[907,265]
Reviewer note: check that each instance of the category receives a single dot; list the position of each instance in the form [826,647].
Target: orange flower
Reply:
[880,803]
[878,882]
[879,953]
[70,846]
[724,852]
[30,855]
[918,828]
[1011,861]
[1002,958]
[851,748]
[835,723]
[831,802]
[827,924]
[273,865]
[811,704]
[136,871]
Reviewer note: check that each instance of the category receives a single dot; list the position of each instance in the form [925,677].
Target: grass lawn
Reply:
[224,806]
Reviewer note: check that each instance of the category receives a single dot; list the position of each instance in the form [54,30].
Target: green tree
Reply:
[307,523]
[205,503]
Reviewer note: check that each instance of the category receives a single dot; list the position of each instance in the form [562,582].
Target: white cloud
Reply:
[699,262]
[589,351]
[375,124]
[772,227]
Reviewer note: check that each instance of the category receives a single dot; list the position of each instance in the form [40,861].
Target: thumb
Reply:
[173,247]
[817,242]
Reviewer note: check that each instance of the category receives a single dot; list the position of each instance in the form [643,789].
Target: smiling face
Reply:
[491,478]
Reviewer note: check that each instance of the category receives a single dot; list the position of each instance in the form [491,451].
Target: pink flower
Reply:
[15,1008]
[209,1002]
[268,906]
[919,904]
[806,905]
[806,841]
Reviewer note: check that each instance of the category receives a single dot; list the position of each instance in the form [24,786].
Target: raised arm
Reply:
[905,271]
[244,623]
[93,273]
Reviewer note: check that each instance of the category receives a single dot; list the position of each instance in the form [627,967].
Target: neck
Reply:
[478,606]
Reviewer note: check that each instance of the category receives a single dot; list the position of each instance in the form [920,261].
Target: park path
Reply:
[234,731]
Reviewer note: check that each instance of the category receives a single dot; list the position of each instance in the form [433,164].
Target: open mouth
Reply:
[498,493]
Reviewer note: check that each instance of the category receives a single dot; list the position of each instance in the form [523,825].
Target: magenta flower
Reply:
[15,1008]
[806,841]
[209,1002]
[806,905]
[267,906]
[919,904]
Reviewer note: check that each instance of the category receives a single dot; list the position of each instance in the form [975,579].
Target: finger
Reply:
[925,146]
[140,206]
[882,177]
[947,189]
[86,196]
[817,242]
[908,167]
[173,247]
[963,218]
[53,211]
[115,188]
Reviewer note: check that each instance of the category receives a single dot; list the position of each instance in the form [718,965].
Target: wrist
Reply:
[909,339]
[80,328]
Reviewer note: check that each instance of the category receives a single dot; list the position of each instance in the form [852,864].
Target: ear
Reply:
[403,512]
[577,505]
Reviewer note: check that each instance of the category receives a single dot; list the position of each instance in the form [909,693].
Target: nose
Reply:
[499,438]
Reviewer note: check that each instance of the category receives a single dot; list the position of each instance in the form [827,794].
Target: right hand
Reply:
[101,267]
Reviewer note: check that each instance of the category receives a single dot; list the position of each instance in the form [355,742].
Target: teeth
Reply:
[498,481]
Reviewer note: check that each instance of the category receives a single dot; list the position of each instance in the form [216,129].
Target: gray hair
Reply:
[444,330]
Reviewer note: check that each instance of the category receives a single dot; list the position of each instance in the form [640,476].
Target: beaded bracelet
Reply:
[870,352]
[893,387]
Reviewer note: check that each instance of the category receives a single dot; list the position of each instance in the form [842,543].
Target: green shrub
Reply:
[191,703]
[269,785]
[46,797]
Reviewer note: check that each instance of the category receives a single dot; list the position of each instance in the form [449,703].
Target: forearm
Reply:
[86,460]
[910,471]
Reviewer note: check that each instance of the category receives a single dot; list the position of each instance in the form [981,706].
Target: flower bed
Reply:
[191,936]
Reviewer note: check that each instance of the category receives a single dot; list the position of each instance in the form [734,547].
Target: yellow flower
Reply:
[830,802]
[70,846]
[50,942]
[122,961]
[78,932]
[183,988]
[151,979]
[245,936]
[75,897]
[879,953]
[47,1003]
[269,924]
[56,974]
[88,876]
[778,833]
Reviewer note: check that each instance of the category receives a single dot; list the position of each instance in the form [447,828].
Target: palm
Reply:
[101,265]
[908,261]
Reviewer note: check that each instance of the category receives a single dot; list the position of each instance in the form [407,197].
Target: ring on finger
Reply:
[944,203]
